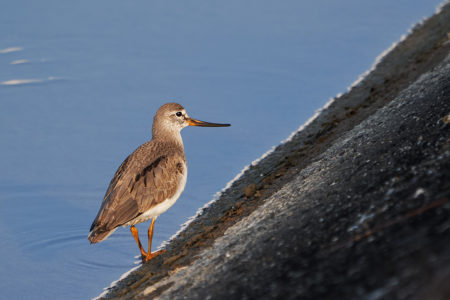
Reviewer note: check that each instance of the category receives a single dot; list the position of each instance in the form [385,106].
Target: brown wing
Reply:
[138,185]
[157,181]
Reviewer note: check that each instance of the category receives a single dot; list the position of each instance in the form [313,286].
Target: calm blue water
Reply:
[93,73]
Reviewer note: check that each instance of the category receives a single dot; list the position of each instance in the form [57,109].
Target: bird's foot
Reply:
[152,255]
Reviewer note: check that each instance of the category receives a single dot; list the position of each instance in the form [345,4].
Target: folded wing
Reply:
[136,187]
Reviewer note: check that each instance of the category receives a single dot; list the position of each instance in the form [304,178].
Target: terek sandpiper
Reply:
[149,181]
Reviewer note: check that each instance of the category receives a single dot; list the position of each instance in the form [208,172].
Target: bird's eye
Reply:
[179,114]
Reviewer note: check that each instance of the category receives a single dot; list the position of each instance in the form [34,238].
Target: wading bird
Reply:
[149,181]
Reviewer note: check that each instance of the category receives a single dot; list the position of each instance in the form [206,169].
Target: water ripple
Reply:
[90,264]
[73,243]
[60,240]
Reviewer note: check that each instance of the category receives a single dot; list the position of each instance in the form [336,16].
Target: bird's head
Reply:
[173,117]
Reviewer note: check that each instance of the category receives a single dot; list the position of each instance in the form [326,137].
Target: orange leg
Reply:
[151,255]
[135,234]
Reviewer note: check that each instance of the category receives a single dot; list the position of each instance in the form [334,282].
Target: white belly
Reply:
[158,209]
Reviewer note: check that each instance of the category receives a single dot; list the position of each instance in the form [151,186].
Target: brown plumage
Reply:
[150,180]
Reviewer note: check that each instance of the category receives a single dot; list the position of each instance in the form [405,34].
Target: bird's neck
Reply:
[168,136]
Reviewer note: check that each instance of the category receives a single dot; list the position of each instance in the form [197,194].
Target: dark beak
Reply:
[194,122]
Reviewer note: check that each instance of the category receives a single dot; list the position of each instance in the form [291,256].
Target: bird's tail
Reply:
[97,235]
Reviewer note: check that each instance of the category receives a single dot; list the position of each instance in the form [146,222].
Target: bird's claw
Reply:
[152,255]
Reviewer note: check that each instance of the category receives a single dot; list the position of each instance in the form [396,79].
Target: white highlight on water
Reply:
[26,81]
[19,61]
[124,275]
[10,49]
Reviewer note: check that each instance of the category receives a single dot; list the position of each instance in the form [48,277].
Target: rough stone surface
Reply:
[354,206]
[369,218]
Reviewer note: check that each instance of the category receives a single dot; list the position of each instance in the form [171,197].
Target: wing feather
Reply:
[139,184]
